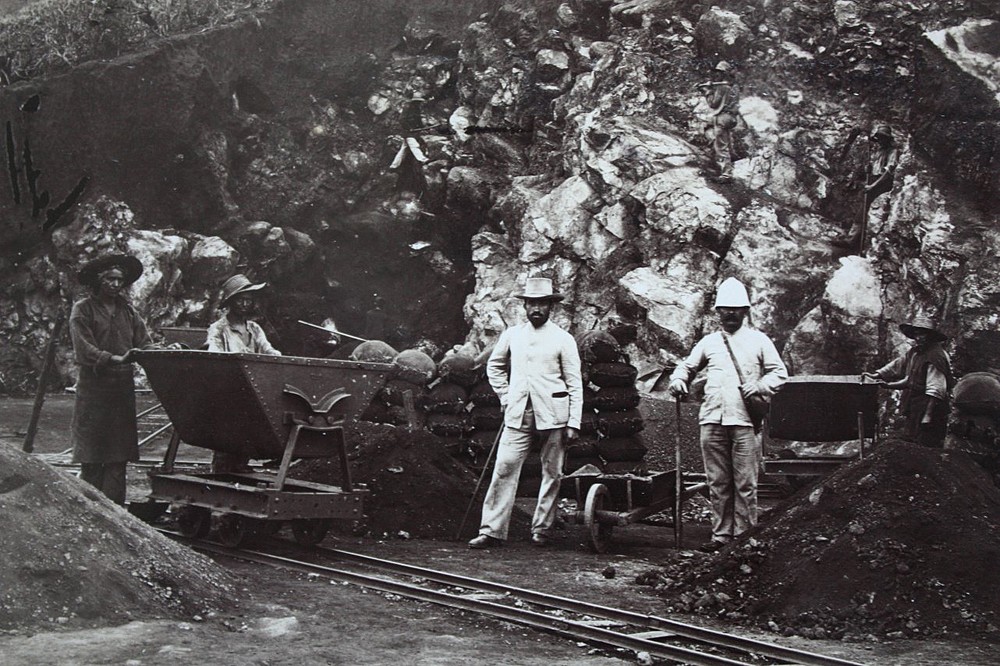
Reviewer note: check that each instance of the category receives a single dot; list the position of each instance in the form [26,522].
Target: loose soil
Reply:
[892,545]
[280,618]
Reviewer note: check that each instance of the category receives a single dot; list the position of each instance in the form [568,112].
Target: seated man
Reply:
[235,332]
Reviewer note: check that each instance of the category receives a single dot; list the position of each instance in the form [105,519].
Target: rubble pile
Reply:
[900,544]
[417,488]
[70,557]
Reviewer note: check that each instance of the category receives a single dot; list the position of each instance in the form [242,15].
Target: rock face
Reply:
[438,158]
[633,229]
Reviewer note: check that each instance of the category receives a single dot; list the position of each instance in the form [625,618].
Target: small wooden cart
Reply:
[606,501]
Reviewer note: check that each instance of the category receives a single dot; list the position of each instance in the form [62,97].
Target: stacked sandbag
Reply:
[446,411]
[413,371]
[448,406]
[613,400]
[374,351]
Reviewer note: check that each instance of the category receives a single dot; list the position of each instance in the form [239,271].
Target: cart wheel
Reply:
[309,532]
[233,530]
[194,522]
[600,535]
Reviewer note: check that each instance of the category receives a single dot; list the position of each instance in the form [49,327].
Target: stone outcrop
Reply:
[439,159]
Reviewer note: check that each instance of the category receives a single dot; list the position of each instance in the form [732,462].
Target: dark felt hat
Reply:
[130,267]
[922,322]
[238,284]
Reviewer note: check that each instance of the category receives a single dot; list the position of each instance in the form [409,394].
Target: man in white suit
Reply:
[535,371]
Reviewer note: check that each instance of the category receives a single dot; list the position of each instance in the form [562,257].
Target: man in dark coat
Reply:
[924,375]
[105,330]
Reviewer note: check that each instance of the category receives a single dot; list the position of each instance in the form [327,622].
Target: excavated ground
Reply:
[224,613]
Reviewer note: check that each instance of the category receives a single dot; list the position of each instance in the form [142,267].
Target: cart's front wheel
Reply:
[309,532]
[194,522]
[600,535]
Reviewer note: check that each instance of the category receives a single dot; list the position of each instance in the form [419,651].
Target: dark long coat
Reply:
[104,426]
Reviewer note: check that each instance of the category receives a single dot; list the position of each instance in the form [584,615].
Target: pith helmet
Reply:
[539,289]
[130,267]
[732,294]
[238,284]
[922,322]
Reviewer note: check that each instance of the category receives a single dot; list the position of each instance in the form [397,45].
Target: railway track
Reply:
[660,637]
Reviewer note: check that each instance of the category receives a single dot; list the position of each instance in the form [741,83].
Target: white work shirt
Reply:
[759,361]
[545,368]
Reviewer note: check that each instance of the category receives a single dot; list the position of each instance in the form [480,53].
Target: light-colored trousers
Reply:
[732,459]
[511,453]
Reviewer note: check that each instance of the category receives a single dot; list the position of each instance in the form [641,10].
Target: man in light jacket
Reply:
[730,448]
[535,371]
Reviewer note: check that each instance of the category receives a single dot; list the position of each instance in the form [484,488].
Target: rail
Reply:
[589,622]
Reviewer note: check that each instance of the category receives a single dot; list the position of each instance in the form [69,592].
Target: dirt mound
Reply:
[902,543]
[70,557]
[416,486]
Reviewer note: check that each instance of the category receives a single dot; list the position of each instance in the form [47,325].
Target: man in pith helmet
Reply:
[535,371]
[924,375]
[730,446]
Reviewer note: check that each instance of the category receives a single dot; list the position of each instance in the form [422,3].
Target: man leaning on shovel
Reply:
[741,362]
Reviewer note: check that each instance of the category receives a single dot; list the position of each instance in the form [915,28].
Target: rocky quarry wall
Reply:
[565,139]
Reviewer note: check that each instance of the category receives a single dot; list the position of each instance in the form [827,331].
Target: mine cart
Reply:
[264,407]
[605,501]
[821,408]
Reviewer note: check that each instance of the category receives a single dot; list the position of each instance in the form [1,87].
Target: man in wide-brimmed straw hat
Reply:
[535,371]
[924,375]
[105,328]
[235,331]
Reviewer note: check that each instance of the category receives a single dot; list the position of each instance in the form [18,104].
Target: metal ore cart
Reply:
[821,408]
[264,407]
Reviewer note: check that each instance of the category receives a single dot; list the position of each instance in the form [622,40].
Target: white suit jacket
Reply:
[544,365]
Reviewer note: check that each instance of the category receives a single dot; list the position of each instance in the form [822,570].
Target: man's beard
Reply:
[537,319]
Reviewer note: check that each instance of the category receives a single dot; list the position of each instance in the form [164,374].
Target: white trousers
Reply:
[511,453]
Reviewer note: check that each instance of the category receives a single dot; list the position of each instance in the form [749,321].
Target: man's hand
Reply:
[678,388]
[749,388]
[570,434]
[871,377]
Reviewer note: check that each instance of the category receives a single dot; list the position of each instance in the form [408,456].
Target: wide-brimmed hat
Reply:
[922,322]
[238,284]
[130,267]
[539,289]
[881,129]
